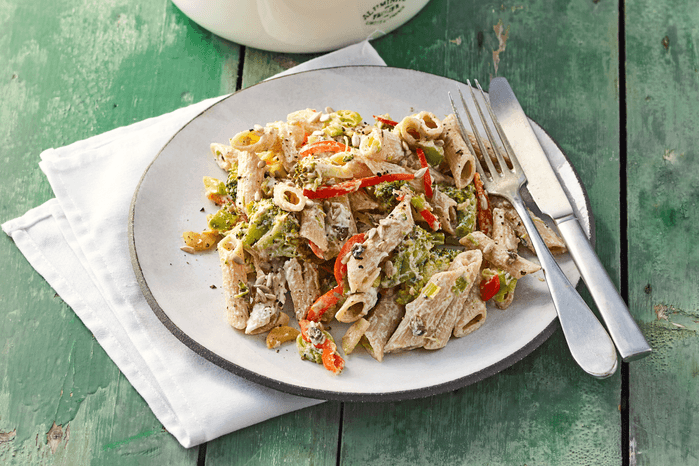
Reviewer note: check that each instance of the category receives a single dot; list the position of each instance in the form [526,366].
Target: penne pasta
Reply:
[472,315]
[289,197]
[353,335]
[460,159]
[383,321]
[313,226]
[553,242]
[508,261]
[468,264]
[234,272]
[224,154]
[303,283]
[430,126]
[503,234]
[423,315]
[250,177]
[363,268]
[445,210]
[357,305]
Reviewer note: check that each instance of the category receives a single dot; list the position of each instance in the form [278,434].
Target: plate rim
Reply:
[315,393]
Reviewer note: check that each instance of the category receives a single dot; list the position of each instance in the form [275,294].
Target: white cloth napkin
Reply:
[78,243]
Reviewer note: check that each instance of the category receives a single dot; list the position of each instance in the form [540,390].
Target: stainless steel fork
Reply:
[589,343]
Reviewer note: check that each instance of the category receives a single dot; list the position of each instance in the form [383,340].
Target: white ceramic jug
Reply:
[299,26]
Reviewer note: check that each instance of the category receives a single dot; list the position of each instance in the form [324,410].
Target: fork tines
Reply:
[497,149]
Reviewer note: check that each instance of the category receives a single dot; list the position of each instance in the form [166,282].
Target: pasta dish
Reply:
[384,226]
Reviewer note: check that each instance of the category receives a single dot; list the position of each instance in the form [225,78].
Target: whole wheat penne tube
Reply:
[508,261]
[363,268]
[383,321]
[360,201]
[224,154]
[357,305]
[289,198]
[468,263]
[302,280]
[313,226]
[353,335]
[553,242]
[472,315]
[235,287]
[423,314]
[339,224]
[250,177]
[445,211]
[407,128]
[503,234]
[430,126]
[460,159]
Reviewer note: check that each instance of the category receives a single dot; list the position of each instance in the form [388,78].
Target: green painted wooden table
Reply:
[615,83]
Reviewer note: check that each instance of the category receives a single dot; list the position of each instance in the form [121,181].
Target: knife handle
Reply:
[587,339]
[622,327]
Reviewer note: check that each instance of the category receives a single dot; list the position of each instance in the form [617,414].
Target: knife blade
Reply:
[549,196]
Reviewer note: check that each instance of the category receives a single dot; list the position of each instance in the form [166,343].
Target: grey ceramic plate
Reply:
[180,287]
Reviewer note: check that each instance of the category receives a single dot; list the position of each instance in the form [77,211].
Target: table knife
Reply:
[549,196]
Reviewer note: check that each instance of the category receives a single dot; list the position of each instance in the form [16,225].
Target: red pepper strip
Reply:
[316,250]
[325,302]
[430,219]
[490,288]
[385,121]
[324,146]
[305,138]
[326,192]
[427,179]
[374,180]
[340,269]
[485,214]
[331,360]
[304,330]
[346,187]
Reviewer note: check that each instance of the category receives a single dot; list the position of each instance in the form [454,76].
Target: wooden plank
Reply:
[309,436]
[663,190]
[260,65]
[305,437]
[561,59]
[72,70]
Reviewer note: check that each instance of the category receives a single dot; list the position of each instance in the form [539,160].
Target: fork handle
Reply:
[587,339]
[622,327]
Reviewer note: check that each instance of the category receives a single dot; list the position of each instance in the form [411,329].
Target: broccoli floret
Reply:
[438,261]
[282,239]
[466,209]
[411,256]
[223,220]
[386,193]
[262,216]
[271,228]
